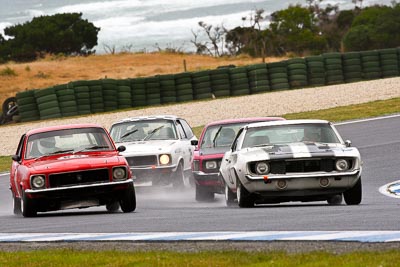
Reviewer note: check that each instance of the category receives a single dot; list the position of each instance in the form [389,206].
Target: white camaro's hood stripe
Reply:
[300,151]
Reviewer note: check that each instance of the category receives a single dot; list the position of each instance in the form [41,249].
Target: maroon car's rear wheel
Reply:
[203,194]
[28,207]
[128,199]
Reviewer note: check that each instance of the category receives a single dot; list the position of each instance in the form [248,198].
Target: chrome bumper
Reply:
[85,186]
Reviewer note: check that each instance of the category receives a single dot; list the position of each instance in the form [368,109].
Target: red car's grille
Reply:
[142,160]
[78,178]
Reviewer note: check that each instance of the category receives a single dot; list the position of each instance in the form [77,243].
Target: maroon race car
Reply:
[70,166]
[215,139]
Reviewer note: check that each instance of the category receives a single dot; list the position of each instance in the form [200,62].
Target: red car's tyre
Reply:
[16,205]
[28,208]
[128,199]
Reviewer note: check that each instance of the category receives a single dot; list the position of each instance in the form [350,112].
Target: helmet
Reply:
[46,145]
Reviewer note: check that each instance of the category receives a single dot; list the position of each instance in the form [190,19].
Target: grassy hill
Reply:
[54,70]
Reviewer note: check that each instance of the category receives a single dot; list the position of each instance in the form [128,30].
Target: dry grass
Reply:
[54,70]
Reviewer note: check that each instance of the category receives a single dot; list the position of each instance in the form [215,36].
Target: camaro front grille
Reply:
[142,160]
[281,167]
[77,178]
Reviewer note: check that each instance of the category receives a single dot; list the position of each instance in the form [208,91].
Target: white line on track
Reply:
[341,236]
[371,119]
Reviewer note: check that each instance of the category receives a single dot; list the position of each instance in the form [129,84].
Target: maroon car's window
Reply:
[70,140]
[220,135]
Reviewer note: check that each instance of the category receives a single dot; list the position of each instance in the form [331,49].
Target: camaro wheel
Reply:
[353,196]
[28,208]
[112,206]
[16,205]
[335,200]
[202,194]
[128,200]
[229,196]
[245,200]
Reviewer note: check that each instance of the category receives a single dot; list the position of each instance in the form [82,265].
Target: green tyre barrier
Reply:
[280,86]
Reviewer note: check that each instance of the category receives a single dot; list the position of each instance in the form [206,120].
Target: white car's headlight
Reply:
[262,168]
[342,165]
[212,164]
[38,181]
[119,173]
[165,159]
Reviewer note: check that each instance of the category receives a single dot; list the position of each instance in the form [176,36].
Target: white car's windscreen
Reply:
[143,130]
[282,134]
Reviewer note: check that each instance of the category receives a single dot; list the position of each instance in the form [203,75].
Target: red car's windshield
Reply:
[69,140]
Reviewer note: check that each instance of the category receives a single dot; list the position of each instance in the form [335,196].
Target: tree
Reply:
[295,30]
[215,35]
[375,27]
[60,33]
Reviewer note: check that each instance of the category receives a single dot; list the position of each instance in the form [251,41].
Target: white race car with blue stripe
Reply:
[293,160]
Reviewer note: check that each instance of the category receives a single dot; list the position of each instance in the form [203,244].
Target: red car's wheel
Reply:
[28,208]
[128,200]
[16,205]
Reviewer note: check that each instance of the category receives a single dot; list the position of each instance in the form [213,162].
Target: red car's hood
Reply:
[67,163]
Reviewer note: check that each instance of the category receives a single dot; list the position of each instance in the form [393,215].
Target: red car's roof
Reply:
[62,127]
[239,120]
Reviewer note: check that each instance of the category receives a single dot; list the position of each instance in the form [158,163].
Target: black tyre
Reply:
[353,196]
[335,200]
[8,105]
[16,205]
[128,199]
[203,195]
[244,198]
[28,208]
[178,178]
[229,197]
[112,206]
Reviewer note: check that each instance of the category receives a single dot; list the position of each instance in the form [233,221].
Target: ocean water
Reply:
[145,25]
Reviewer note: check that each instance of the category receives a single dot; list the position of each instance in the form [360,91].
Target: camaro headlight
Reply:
[262,167]
[119,173]
[165,159]
[342,165]
[37,181]
[211,164]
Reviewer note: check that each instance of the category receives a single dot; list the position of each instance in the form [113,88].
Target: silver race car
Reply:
[293,160]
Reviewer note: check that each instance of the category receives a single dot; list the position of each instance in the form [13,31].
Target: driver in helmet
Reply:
[47,145]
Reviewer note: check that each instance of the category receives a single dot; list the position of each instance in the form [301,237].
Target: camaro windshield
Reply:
[220,135]
[282,134]
[159,129]
[64,141]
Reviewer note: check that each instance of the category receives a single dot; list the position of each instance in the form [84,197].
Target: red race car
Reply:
[215,139]
[70,166]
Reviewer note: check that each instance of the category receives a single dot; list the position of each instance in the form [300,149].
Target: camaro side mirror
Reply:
[194,142]
[121,148]
[16,158]
[347,143]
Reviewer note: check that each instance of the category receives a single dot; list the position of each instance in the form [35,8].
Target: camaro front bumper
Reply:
[301,184]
